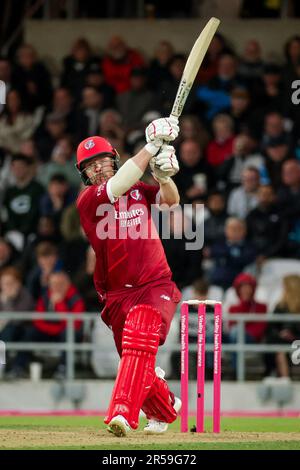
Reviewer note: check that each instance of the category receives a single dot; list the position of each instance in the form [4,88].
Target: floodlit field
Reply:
[89,433]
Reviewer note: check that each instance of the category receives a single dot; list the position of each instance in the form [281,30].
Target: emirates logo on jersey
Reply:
[135,194]
[89,144]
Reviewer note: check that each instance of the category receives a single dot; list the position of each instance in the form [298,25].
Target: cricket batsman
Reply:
[132,276]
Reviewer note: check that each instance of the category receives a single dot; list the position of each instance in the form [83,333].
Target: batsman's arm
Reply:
[129,173]
[168,193]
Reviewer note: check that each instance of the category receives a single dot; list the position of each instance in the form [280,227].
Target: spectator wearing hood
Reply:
[245,286]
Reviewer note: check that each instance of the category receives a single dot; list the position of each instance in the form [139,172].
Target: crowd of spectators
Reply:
[239,154]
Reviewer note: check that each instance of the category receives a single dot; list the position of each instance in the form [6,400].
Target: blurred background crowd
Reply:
[239,154]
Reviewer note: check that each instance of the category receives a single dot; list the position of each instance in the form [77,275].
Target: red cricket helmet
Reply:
[94,147]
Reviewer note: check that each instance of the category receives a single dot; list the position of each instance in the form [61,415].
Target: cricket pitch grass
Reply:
[85,433]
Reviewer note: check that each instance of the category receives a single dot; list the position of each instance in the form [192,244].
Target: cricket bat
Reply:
[193,64]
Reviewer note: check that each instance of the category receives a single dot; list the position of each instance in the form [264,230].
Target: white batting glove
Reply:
[165,164]
[160,131]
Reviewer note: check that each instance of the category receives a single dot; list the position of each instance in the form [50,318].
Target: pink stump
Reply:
[184,366]
[201,367]
[217,367]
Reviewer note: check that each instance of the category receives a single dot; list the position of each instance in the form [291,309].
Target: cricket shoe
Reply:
[119,426]
[160,427]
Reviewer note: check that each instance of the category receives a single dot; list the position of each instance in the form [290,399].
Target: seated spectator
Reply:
[158,67]
[95,79]
[47,262]
[185,264]
[244,198]
[214,225]
[118,62]
[61,296]
[220,148]
[231,255]
[289,202]
[48,136]
[245,286]
[111,128]
[33,77]
[284,332]
[63,105]
[137,101]
[20,211]
[195,176]
[76,66]
[7,254]
[241,110]
[229,174]
[14,297]
[58,197]
[169,87]
[274,129]
[268,92]
[62,163]
[84,282]
[16,125]
[276,152]
[46,232]
[292,56]
[266,229]
[192,128]
[91,106]
[216,94]
[251,63]
[209,66]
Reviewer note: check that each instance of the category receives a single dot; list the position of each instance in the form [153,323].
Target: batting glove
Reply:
[160,131]
[165,164]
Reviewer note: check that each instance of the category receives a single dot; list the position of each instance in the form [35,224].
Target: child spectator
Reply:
[47,261]
[245,286]
[61,296]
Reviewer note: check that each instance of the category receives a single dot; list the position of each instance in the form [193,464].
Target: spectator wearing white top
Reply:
[244,198]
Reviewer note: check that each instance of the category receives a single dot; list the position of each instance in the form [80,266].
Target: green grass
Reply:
[83,427]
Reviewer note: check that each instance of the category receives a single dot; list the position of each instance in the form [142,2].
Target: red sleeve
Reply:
[150,192]
[89,200]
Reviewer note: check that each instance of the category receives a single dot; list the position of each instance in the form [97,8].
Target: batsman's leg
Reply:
[136,372]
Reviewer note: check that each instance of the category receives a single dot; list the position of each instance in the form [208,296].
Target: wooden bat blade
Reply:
[193,64]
